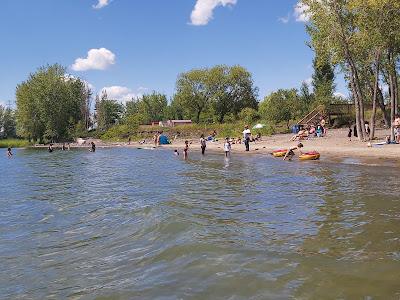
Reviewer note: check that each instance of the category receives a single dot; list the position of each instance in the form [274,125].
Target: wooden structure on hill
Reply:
[328,112]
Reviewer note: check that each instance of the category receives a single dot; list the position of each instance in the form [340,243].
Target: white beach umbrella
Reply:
[258,126]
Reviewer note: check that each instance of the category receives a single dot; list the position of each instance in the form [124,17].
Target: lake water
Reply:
[142,224]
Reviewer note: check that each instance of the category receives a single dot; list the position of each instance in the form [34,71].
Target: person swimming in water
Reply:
[93,147]
[290,153]
[9,153]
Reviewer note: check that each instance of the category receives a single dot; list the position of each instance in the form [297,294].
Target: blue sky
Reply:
[137,46]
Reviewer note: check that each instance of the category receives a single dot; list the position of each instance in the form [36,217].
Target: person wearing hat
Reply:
[246,137]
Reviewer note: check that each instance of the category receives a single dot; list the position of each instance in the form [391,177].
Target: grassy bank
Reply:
[14,143]
[119,134]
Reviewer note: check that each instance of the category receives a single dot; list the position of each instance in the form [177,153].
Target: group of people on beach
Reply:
[313,130]
[247,138]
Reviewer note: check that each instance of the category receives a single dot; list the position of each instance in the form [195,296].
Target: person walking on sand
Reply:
[9,153]
[203,144]
[350,132]
[246,137]
[396,125]
[185,150]
[227,147]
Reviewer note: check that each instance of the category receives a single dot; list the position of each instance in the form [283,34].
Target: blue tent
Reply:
[163,140]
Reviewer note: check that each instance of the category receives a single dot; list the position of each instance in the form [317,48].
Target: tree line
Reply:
[362,38]
[54,106]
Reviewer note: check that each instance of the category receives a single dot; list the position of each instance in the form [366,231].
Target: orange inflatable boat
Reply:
[314,155]
[279,153]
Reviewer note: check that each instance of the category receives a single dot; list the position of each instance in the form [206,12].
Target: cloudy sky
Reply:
[130,47]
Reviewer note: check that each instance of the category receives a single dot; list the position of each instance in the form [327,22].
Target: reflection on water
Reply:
[137,224]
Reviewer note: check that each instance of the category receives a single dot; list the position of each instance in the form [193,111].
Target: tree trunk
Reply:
[392,92]
[375,95]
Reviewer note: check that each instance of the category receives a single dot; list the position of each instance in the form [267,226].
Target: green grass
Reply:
[14,143]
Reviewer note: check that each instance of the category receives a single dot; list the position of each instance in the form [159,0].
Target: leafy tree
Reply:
[323,80]
[232,90]
[280,106]
[219,91]
[249,115]
[152,107]
[7,122]
[306,99]
[193,93]
[108,112]
[49,103]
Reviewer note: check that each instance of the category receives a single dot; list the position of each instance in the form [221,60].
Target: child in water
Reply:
[176,153]
[227,147]
[290,153]
[9,153]
[185,150]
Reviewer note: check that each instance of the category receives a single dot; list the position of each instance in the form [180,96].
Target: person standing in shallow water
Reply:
[185,150]
[203,144]
[246,137]
[93,147]
[50,149]
[9,153]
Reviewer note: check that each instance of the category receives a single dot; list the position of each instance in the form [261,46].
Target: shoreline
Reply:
[334,147]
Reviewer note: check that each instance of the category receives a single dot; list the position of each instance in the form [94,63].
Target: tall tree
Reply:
[108,112]
[192,92]
[333,33]
[323,80]
[48,103]
[280,106]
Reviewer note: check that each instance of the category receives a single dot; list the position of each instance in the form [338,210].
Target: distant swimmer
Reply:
[50,149]
[9,153]
[290,153]
[92,147]
[176,153]
[63,148]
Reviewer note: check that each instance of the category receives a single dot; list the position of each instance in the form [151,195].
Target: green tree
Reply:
[323,80]
[280,106]
[306,100]
[7,122]
[152,107]
[108,112]
[232,89]
[193,93]
[49,103]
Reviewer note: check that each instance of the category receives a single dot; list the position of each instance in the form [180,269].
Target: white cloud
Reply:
[340,95]
[308,81]
[203,10]
[101,4]
[97,59]
[120,93]
[284,20]
[301,12]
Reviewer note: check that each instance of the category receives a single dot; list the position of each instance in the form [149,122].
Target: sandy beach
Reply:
[335,145]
